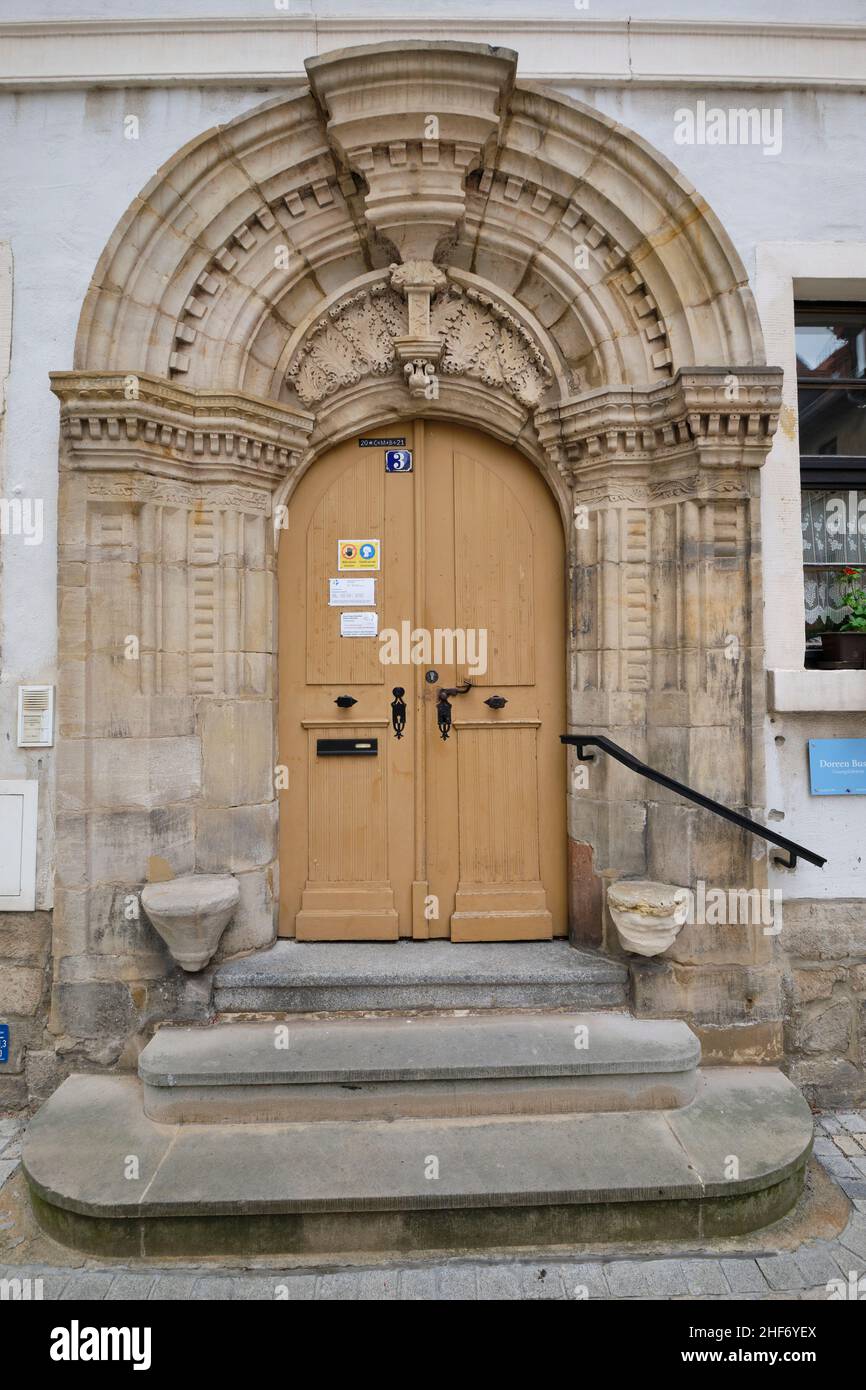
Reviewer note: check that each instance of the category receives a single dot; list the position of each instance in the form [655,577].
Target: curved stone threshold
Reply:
[329,1187]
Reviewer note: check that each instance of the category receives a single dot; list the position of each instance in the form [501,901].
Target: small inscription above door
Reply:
[365,443]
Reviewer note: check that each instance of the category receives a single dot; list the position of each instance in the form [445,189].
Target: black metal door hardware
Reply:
[347,747]
[398,711]
[345,701]
[496,702]
[443,706]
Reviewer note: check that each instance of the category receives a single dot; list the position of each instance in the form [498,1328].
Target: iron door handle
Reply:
[443,706]
[398,711]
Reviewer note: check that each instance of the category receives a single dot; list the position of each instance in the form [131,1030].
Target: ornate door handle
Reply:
[398,711]
[345,701]
[496,702]
[443,706]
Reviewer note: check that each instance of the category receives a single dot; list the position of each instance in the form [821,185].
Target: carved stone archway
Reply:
[415,234]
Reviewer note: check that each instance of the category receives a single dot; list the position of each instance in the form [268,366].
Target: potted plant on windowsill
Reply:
[849,643]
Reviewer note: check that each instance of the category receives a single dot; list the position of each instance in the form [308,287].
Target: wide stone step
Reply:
[375,1068]
[326,976]
[729,1162]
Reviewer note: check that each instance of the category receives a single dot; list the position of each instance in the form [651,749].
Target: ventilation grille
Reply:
[35,716]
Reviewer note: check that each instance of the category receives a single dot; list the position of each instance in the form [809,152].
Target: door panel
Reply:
[462,837]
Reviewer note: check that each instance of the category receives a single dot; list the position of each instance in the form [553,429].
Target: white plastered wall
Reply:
[804,704]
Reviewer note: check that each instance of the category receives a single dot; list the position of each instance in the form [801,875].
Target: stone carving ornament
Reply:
[474,336]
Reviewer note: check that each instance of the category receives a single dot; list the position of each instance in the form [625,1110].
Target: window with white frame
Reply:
[831,389]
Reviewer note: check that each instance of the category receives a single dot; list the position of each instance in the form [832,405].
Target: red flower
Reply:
[855,573]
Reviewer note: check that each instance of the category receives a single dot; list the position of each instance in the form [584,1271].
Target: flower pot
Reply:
[844,646]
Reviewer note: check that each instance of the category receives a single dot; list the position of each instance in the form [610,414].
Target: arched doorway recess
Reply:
[293,279]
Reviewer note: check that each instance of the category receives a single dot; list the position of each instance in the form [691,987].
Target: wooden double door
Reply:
[421,835]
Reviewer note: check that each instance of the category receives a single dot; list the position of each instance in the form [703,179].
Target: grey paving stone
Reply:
[626,1279]
[376,1285]
[293,1288]
[88,1284]
[825,1148]
[852,1121]
[541,1282]
[816,1265]
[418,1284]
[665,1277]
[705,1277]
[213,1287]
[134,1287]
[744,1276]
[54,1281]
[256,1288]
[579,1277]
[860,1165]
[854,1236]
[498,1282]
[339,1285]
[7,1168]
[10,1125]
[458,1283]
[839,1167]
[781,1272]
[173,1287]
[855,1188]
[860,1202]
[829,1123]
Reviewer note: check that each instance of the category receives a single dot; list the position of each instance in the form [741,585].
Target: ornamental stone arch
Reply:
[415,234]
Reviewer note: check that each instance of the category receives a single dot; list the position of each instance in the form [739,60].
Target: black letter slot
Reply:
[347,747]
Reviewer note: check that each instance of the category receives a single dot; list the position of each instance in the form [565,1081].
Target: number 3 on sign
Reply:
[398,460]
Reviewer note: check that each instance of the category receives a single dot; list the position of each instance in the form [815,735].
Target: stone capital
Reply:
[113,421]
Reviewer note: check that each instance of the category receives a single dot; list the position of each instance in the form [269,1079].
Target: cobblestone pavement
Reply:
[816,1270]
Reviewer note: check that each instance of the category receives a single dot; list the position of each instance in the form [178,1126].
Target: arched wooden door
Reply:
[456,576]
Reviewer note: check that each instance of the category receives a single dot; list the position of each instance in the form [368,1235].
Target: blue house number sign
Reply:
[837,766]
[4,1042]
[398,460]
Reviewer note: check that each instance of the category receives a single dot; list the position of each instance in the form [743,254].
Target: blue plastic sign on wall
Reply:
[837,766]
[398,460]
[4,1042]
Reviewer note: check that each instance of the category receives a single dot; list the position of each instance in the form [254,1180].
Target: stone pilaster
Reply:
[166,715]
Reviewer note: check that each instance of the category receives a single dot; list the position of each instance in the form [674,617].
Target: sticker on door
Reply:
[358,554]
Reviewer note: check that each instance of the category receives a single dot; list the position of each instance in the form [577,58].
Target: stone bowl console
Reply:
[648,916]
[191,913]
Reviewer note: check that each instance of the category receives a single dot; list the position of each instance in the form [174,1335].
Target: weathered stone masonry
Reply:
[294,278]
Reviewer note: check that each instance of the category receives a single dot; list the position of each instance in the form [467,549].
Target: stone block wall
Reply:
[824,946]
[25,984]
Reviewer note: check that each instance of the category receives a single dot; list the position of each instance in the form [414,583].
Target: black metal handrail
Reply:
[793,850]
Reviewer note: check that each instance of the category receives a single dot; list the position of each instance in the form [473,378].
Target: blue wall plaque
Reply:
[837,766]
[4,1042]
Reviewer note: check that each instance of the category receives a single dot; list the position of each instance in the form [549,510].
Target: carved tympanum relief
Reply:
[420,320]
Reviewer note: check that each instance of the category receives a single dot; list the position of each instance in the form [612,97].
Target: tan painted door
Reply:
[424,836]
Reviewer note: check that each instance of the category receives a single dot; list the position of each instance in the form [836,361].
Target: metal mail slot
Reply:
[347,747]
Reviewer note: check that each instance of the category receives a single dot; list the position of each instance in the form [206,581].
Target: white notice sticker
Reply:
[359,624]
[356,591]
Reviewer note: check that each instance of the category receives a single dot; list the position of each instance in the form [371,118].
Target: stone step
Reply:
[363,976]
[421,1065]
[414,1185]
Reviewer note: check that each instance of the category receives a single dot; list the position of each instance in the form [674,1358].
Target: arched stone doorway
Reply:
[416,218]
